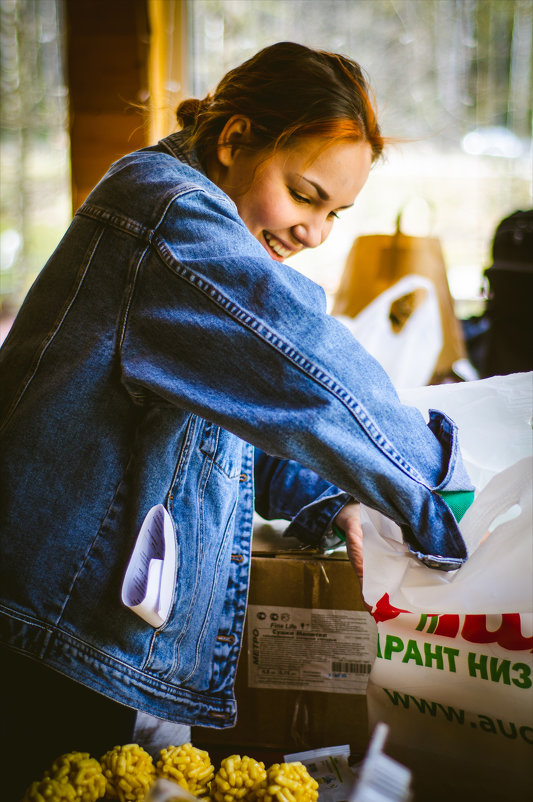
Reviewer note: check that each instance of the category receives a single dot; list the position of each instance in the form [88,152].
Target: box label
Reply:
[313,650]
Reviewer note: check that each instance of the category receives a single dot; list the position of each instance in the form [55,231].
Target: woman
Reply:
[164,351]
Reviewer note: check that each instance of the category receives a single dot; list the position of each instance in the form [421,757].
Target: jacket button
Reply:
[226,638]
[243,477]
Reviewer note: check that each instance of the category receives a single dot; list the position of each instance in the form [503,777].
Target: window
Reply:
[452,76]
[34,152]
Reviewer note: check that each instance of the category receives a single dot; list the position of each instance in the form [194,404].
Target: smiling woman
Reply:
[166,356]
[295,193]
[290,136]
[454,72]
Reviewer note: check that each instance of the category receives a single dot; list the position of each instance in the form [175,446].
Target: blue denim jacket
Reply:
[158,347]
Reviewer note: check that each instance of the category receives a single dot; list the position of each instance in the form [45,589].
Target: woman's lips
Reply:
[278,247]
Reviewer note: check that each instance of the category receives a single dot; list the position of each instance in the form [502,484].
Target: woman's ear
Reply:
[236,132]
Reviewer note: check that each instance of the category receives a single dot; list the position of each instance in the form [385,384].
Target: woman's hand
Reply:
[348,519]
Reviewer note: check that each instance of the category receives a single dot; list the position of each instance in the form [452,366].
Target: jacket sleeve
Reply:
[217,327]
[285,489]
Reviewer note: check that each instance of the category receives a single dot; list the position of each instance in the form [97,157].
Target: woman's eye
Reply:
[297,197]
[304,199]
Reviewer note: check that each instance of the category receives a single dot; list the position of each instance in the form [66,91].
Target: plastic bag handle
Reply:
[431,209]
[508,488]
[405,285]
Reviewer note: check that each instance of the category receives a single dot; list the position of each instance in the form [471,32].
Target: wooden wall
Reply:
[168,67]
[107,68]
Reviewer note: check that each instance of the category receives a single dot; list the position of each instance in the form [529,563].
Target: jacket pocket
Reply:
[222,448]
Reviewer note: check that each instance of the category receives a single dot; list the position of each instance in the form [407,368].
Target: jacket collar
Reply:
[175,143]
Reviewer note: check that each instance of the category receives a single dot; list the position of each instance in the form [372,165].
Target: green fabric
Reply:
[458,501]
[338,531]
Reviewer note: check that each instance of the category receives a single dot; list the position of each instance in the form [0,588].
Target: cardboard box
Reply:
[307,652]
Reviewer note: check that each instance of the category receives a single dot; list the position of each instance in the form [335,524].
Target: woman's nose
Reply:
[312,233]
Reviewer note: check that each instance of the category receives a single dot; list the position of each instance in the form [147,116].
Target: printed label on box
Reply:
[313,650]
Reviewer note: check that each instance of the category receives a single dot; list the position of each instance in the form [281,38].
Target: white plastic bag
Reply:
[453,677]
[410,355]
[494,420]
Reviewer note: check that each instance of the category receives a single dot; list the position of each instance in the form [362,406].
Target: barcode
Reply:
[351,668]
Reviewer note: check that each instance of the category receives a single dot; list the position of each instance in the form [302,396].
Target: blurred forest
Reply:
[454,77]
[440,67]
[34,152]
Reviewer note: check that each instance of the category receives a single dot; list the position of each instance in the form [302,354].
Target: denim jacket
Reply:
[161,355]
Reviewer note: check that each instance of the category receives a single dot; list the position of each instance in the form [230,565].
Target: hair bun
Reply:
[187,111]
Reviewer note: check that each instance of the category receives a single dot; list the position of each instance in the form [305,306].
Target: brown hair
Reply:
[287,91]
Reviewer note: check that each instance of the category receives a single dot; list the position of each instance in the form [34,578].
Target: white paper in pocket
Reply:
[150,577]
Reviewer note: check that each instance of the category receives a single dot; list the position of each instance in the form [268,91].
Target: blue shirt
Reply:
[162,357]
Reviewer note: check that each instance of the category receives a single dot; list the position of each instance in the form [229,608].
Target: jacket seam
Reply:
[125,311]
[90,547]
[114,220]
[169,503]
[217,567]
[58,322]
[140,675]
[290,353]
[138,230]
[203,480]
